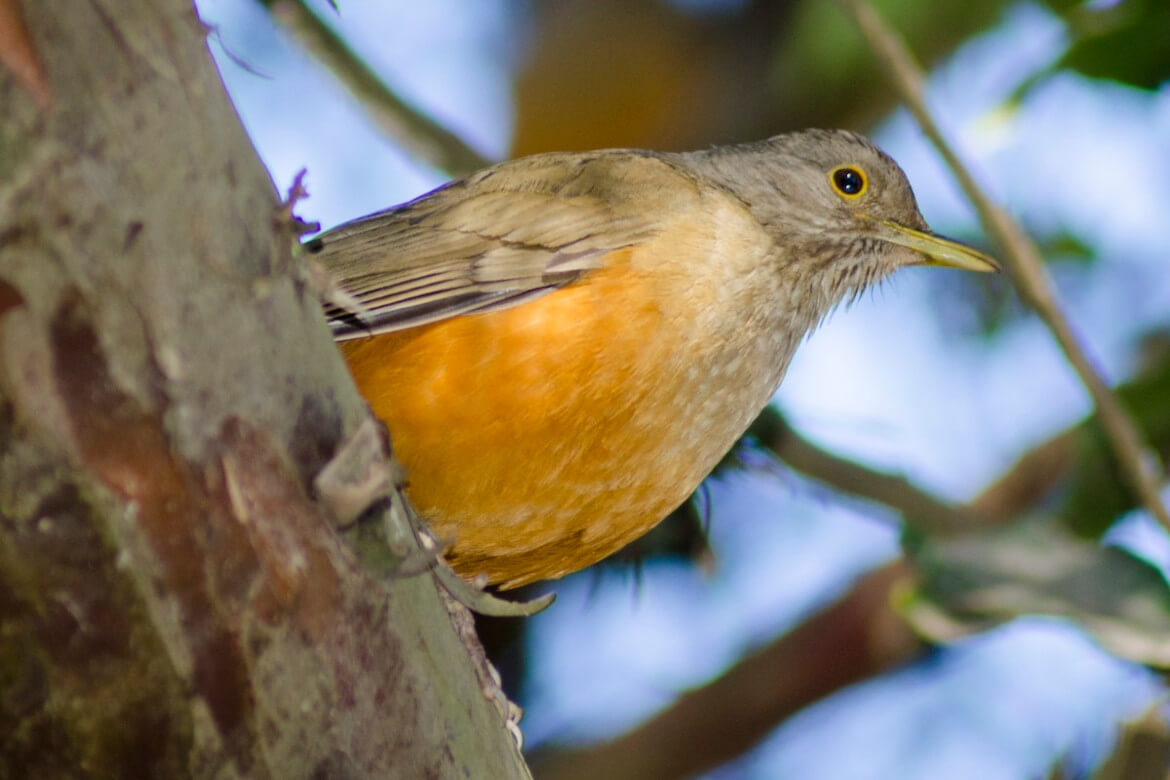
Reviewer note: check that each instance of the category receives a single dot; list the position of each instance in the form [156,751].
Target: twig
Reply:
[1033,475]
[1024,264]
[919,508]
[419,134]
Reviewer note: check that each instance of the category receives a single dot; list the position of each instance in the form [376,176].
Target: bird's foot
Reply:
[474,597]
[359,474]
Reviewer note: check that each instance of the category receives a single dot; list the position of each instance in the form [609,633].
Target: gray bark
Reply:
[173,598]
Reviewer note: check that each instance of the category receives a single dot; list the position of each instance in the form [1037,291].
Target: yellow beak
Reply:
[938,250]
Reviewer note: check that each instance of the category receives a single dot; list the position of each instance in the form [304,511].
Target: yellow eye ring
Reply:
[848,181]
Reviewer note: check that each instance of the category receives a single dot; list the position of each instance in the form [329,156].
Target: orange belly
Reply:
[543,437]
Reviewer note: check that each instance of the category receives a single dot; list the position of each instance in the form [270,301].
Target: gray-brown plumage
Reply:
[563,345]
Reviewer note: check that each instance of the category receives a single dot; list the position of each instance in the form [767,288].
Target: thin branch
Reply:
[1021,487]
[920,509]
[1033,475]
[857,638]
[1024,263]
[417,133]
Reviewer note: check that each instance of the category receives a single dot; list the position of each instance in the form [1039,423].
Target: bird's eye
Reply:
[849,182]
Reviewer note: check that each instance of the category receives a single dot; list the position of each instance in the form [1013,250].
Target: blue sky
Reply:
[886,382]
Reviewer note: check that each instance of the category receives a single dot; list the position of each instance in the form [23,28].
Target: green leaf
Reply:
[972,582]
[1066,246]
[1126,42]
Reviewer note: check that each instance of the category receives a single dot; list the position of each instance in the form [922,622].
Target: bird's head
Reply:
[841,210]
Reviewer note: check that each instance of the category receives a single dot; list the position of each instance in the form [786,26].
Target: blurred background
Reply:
[776,598]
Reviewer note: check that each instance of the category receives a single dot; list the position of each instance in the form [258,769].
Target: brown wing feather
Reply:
[500,237]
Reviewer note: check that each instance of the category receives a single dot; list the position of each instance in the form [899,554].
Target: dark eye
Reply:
[848,181]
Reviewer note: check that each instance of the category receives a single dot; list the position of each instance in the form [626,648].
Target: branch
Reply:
[1021,486]
[417,133]
[858,637]
[1142,751]
[1031,477]
[920,509]
[174,602]
[1075,456]
[1024,264]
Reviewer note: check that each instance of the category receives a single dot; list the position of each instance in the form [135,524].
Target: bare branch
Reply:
[1031,477]
[719,721]
[417,133]
[1024,263]
[919,508]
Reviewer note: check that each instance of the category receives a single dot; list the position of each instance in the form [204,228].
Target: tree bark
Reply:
[173,598]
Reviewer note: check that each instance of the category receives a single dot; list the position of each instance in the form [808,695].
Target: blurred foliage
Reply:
[1098,494]
[650,73]
[823,74]
[647,73]
[1128,41]
[1066,246]
[971,582]
[1125,42]
[643,73]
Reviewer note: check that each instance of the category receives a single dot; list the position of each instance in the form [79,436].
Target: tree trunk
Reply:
[173,599]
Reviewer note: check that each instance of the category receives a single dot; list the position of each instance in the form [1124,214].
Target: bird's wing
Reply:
[495,239]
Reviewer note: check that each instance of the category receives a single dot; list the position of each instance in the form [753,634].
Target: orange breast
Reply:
[542,437]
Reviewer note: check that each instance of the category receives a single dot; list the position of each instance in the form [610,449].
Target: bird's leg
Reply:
[472,594]
[361,473]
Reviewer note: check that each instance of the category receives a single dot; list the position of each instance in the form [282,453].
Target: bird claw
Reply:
[471,594]
[359,474]
[481,602]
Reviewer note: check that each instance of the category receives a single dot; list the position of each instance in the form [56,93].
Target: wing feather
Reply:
[496,239]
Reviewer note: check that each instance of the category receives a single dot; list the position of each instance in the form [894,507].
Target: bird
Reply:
[562,346]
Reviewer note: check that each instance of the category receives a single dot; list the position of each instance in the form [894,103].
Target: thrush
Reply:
[564,345]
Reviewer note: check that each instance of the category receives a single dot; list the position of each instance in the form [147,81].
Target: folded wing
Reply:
[495,239]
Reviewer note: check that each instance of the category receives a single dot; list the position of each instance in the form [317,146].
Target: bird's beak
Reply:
[937,250]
